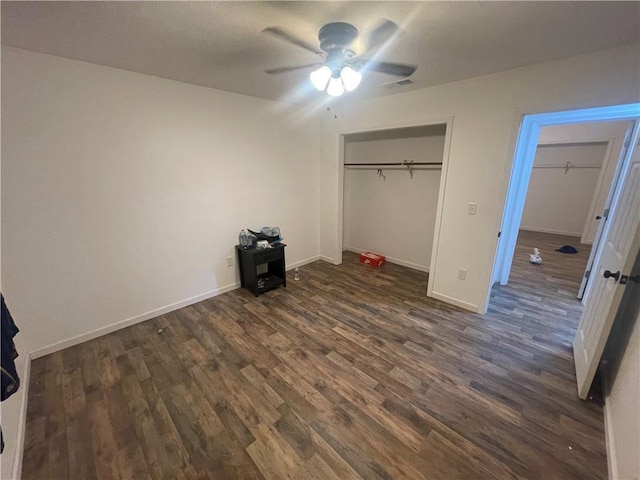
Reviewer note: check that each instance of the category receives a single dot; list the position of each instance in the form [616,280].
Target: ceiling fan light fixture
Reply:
[343,67]
[351,78]
[336,87]
[320,77]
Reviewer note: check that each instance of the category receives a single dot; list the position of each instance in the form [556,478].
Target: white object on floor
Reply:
[535,257]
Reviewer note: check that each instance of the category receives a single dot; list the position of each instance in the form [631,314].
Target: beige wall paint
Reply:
[559,201]
[395,216]
[12,416]
[614,134]
[622,375]
[134,181]
[487,112]
[582,132]
[123,194]
[623,412]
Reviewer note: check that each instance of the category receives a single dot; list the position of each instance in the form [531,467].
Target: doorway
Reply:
[620,218]
[566,197]
[522,169]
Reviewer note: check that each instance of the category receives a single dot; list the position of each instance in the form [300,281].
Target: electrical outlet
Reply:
[229,261]
[472,208]
[462,273]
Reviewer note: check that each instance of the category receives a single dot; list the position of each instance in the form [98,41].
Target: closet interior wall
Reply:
[562,185]
[389,209]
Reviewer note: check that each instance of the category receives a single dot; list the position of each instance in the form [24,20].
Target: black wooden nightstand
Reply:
[271,263]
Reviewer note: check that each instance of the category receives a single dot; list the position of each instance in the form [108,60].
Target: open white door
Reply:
[605,291]
[603,215]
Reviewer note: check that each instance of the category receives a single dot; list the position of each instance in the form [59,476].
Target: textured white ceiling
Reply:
[220,44]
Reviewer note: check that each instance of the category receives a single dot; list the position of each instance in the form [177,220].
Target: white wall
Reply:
[623,412]
[395,216]
[122,194]
[13,415]
[13,409]
[622,376]
[582,132]
[559,201]
[487,112]
[613,133]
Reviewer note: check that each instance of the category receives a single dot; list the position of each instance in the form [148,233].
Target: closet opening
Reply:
[392,185]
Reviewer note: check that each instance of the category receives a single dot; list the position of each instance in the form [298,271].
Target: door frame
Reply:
[340,142]
[521,174]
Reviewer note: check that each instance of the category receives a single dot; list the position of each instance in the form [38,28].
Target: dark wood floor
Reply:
[349,373]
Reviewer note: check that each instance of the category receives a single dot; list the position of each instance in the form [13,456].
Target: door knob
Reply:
[598,217]
[608,274]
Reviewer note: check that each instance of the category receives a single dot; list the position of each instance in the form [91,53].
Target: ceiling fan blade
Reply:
[382,33]
[290,69]
[287,37]
[397,69]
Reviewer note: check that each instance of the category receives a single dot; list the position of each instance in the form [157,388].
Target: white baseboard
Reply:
[306,261]
[324,258]
[586,241]
[610,444]
[411,265]
[456,302]
[547,230]
[291,266]
[16,470]
[397,261]
[41,352]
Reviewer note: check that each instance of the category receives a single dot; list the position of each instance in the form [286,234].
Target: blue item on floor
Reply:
[567,249]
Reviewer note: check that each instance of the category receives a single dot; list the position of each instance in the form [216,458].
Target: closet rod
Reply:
[397,164]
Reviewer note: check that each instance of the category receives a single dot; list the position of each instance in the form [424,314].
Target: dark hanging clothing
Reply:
[10,380]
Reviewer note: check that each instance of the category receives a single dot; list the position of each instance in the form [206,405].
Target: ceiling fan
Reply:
[342,67]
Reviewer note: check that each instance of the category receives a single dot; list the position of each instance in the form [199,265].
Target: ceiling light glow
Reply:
[320,77]
[336,81]
[336,87]
[350,78]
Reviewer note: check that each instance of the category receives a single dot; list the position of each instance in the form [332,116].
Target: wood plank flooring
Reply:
[350,373]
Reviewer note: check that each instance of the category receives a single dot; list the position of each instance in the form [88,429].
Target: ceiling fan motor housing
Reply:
[335,37]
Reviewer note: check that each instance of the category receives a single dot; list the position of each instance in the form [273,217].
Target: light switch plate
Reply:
[472,208]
